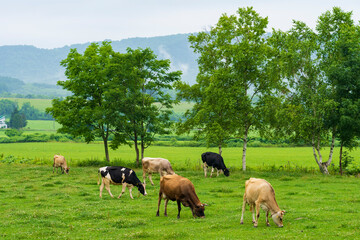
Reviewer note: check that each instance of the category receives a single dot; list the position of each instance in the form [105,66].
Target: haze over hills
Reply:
[34,65]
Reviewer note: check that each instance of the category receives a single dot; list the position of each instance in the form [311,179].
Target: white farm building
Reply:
[2,122]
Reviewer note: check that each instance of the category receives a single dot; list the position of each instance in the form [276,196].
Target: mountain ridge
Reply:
[39,65]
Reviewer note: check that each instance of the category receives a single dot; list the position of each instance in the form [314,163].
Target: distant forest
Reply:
[34,72]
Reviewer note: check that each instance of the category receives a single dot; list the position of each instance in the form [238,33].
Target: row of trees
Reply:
[302,84]
[114,93]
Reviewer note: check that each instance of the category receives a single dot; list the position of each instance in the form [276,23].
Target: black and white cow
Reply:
[120,176]
[214,160]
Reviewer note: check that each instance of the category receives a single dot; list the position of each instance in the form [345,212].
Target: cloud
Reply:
[184,68]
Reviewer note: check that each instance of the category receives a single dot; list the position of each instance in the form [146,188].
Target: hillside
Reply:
[34,65]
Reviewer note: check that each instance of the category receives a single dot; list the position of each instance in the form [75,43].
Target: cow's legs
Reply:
[150,174]
[101,187]
[243,210]
[205,168]
[267,219]
[218,171]
[123,190]
[257,205]
[252,207]
[179,208]
[212,170]
[166,202]
[130,190]
[159,201]
[144,176]
[107,186]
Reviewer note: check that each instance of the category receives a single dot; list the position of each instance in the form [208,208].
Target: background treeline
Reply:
[7,107]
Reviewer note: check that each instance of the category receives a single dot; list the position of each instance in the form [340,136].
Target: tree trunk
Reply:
[340,161]
[244,151]
[142,149]
[323,166]
[106,150]
[220,149]
[136,150]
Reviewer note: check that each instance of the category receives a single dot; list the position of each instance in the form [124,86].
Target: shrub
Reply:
[350,164]
[13,132]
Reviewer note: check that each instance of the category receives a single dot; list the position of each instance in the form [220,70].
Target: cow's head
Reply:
[226,172]
[141,188]
[67,170]
[278,218]
[198,211]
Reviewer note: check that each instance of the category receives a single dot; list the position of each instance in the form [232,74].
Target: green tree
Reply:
[235,81]
[89,111]
[17,119]
[344,75]
[309,99]
[7,107]
[146,107]
[311,109]
[32,113]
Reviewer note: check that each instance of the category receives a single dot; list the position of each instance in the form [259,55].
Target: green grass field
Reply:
[181,157]
[37,204]
[42,125]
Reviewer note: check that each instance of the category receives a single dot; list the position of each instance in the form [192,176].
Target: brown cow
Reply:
[59,161]
[175,187]
[160,165]
[260,193]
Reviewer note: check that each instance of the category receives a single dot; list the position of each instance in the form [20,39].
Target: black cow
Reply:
[214,160]
[120,176]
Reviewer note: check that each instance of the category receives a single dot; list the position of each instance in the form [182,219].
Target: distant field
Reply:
[181,157]
[42,125]
[40,104]
[37,204]
[37,126]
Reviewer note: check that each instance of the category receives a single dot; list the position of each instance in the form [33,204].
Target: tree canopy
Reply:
[113,94]
[235,80]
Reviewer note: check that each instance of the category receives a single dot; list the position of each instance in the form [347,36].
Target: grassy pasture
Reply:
[180,157]
[43,125]
[40,104]
[37,204]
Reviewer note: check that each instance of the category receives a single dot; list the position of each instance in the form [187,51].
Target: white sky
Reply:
[56,23]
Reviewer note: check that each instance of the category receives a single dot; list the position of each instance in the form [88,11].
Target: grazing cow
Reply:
[59,161]
[260,193]
[180,189]
[214,160]
[120,176]
[160,165]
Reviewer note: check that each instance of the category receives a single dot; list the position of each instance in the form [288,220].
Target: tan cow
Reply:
[260,193]
[59,161]
[180,189]
[159,165]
